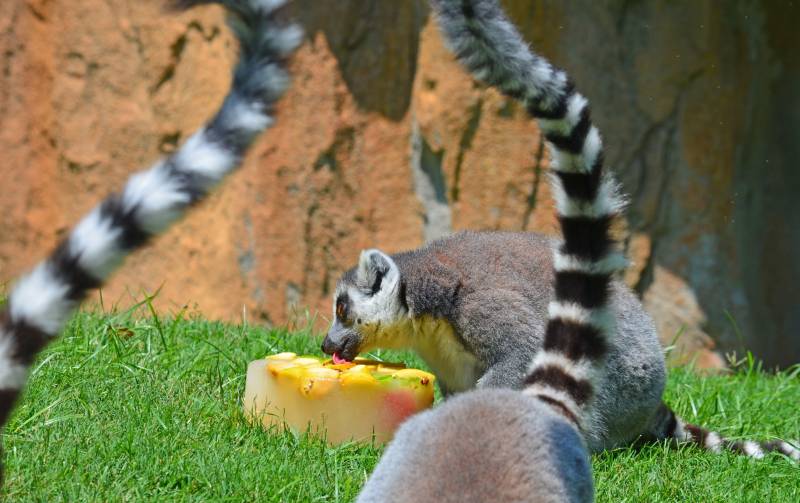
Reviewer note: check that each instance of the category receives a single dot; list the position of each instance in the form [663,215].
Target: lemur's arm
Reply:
[43,300]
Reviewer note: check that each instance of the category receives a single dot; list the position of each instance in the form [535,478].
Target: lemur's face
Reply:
[367,303]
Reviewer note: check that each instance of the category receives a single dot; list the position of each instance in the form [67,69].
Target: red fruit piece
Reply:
[398,405]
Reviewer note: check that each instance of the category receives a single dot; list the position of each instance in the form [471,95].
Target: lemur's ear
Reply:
[375,271]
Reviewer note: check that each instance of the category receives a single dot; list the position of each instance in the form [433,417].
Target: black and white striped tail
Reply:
[669,426]
[563,374]
[42,301]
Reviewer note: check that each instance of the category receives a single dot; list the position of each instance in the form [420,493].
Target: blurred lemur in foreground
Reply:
[480,307]
[42,301]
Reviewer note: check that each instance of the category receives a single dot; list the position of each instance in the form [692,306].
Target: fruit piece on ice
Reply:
[306,361]
[399,405]
[417,376]
[316,382]
[357,379]
[282,356]
[276,366]
[349,401]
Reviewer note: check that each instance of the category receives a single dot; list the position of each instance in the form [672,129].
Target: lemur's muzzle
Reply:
[342,342]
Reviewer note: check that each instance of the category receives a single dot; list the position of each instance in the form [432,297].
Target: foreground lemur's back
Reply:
[486,445]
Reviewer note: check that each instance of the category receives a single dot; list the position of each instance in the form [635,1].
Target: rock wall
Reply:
[383,141]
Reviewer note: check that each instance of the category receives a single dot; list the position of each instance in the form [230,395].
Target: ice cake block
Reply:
[348,401]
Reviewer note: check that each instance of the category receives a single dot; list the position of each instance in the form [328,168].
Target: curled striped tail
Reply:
[42,301]
[565,372]
[668,425]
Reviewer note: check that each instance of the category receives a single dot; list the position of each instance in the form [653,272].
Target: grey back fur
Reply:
[483,446]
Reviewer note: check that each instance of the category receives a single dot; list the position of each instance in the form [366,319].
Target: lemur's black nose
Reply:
[328,346]
[342,342]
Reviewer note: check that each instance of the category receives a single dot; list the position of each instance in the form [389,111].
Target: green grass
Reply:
[130,409]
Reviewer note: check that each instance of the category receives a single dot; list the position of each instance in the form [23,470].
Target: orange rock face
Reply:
[331,179]
[383,141]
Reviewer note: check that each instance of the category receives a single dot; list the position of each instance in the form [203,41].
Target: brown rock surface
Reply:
[680,317]
[383,141]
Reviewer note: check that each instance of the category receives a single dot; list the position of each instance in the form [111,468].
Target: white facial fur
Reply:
[376,314]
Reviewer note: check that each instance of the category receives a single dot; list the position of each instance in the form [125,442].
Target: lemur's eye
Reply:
[340,310]
[358,321]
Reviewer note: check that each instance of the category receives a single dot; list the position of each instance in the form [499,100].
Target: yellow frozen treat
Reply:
[349,401]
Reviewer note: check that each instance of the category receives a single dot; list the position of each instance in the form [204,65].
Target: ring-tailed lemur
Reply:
[42,301]
[475,305]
